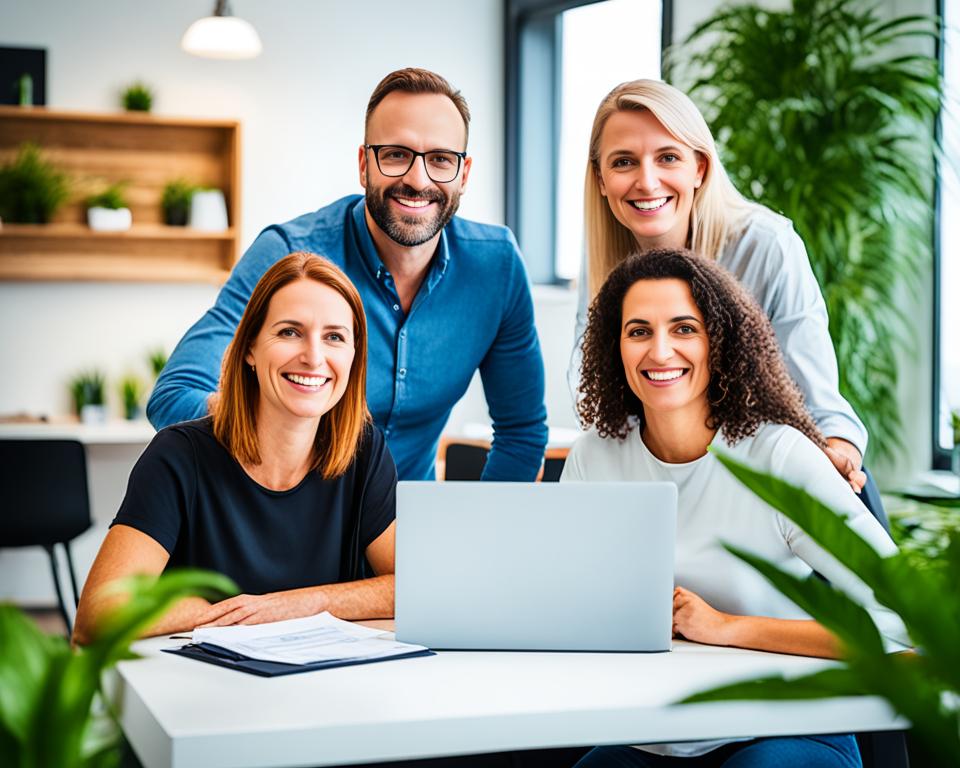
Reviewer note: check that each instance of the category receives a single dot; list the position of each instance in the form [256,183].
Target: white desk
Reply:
[179,712]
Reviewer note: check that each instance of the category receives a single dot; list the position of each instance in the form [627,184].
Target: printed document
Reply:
[305,641]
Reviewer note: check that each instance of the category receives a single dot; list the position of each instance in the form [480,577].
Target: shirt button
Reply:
[403,334]
[402,372]
[396,307]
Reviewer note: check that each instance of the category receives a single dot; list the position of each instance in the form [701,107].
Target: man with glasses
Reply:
[444,297]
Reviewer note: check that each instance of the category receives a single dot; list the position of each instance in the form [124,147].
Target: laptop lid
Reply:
[535,566]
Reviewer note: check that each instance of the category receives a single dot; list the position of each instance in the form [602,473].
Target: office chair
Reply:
[464,459]
[46,501]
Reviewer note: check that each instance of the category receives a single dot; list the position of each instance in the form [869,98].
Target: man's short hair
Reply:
[414,80]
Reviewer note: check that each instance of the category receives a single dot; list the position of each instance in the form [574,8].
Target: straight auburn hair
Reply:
[718,208]
[235,412]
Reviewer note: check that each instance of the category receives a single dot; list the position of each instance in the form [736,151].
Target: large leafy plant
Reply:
[921,686]
[819,114]
[47,688]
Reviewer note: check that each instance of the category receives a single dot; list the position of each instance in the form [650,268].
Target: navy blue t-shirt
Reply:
[191,496]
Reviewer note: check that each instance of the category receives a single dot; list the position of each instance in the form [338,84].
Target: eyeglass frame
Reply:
[461,156]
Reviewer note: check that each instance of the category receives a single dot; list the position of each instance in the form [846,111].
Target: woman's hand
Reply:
[694,619]
[847,459]
[260,609]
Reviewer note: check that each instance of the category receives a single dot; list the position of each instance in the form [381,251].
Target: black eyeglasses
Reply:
[441,165]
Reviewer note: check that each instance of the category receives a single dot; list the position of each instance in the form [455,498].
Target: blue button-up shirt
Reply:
[473,311]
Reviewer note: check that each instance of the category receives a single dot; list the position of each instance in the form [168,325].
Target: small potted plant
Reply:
[137,97]
[131,393]
[88,397]
[177,195]
[157,359]
[31,188]
[108,211]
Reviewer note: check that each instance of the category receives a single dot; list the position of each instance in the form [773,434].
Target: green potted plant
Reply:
[31,188]
[822,113]
[924,687]
[107,211]
[47,712]
[137,97]
[157,359]
[87,389]
[175,202]
[131,395]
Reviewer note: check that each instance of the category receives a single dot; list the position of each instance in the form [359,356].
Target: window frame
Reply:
[940,457]
[533,46]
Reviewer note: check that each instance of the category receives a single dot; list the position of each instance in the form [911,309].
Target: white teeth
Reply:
[665,375]
[650,205]
[413,203]
[307,381]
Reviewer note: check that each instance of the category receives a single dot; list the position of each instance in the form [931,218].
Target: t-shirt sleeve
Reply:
[161,488]
[379,489]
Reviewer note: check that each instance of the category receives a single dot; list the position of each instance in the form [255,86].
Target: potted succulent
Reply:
[137,97]
[31,189]
[175,202]
[87,390]
[131,393]
[108,211]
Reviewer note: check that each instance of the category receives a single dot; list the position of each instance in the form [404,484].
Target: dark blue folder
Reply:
[214,654]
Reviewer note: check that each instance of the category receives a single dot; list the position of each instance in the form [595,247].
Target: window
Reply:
[562,59]
[946,378]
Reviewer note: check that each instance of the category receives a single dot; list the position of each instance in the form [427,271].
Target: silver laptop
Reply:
[536,566]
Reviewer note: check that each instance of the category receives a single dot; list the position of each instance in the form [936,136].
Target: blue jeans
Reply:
[782,752]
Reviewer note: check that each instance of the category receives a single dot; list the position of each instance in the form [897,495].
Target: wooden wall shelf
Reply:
[145,152]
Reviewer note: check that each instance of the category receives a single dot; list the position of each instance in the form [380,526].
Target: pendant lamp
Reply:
[222,36]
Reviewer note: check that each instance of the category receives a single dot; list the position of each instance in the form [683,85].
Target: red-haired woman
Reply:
[285,488]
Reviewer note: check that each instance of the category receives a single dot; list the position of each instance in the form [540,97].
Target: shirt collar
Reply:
[368,251]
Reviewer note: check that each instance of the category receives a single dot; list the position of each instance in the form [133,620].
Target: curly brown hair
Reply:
[749,383]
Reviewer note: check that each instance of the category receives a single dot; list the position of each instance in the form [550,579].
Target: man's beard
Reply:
[409,231]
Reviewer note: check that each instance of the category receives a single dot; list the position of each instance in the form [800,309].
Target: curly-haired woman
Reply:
[654,180]
[676,358]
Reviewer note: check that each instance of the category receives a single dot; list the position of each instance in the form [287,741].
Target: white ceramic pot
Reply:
[208,211]
[109,219]
[93,414]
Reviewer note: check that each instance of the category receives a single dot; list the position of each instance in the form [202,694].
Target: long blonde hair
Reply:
[718,208]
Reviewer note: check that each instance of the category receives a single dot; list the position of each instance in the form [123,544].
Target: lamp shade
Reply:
[222,37]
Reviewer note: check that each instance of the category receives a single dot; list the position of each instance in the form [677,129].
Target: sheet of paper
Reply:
[302,641]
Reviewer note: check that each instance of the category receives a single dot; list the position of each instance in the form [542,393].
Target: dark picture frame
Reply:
[16,62]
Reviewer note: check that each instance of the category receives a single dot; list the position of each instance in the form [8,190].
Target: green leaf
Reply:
[836,681]
[850,622]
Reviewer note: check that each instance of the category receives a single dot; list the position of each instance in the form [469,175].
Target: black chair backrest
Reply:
[43,492]
[464,461]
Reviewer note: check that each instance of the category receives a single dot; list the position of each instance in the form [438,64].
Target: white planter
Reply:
[208,211]
[94,414]
[109,219]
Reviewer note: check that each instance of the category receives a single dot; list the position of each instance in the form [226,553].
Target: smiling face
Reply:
[664,347]
[304,351]
[649,178]
[412,209]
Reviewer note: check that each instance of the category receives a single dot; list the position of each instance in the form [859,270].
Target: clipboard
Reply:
[214,654]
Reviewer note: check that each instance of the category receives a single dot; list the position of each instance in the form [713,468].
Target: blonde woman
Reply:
[654,180]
